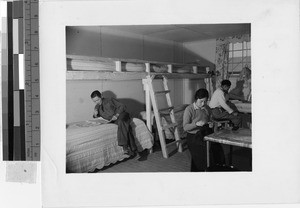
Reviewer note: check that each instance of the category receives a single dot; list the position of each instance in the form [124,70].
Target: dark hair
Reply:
[201,93]
[96,93]
[226,82]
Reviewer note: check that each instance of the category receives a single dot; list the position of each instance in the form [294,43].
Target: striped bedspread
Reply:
[92,145]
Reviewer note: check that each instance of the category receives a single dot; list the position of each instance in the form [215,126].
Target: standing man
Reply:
[196,120]
[223,110]
[115,112]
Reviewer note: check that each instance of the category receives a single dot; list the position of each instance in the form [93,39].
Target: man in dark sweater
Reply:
[115,112]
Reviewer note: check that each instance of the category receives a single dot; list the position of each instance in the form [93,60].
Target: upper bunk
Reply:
[100,68]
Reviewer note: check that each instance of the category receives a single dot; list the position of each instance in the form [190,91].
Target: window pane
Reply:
[238,46]
[235,68]
[229,67]
[230,54]
[248,52]
[237,60]
[230,46]
[230,60]
[248,45]
[245,45]
[247,59]
[237,54]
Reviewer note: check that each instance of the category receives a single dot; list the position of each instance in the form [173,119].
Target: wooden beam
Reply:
[92,58]
[99,75]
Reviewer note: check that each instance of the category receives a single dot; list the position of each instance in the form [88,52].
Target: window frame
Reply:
[244,59]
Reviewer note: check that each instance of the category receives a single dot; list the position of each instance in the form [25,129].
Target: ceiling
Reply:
[186,32]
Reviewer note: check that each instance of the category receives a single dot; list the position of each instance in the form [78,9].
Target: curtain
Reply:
[222,55]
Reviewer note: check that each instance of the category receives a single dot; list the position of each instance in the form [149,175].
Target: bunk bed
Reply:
[99,68]
[93,145]
[96,68]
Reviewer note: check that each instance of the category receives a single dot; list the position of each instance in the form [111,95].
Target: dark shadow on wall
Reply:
[133,107]
[192,58]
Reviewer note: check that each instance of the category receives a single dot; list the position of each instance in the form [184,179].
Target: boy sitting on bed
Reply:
[115,112]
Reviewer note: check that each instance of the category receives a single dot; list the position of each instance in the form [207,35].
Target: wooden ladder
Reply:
[158,111]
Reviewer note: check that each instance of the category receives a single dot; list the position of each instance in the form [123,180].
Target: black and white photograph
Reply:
[157,103]
[158,98]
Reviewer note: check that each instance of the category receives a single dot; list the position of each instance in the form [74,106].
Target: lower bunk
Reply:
[92,145]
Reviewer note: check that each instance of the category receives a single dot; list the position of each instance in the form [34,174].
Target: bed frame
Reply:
[98,68]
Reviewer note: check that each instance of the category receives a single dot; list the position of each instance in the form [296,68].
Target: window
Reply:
[239,57]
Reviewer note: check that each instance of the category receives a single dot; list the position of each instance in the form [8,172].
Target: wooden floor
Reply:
[177,162]
[154,162]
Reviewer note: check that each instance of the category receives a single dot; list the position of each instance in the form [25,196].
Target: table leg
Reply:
[230,156]
[207,154]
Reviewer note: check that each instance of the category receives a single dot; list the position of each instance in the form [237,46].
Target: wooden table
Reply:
[240,138]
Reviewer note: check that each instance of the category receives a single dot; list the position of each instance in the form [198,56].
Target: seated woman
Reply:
[242,90]
[195,122]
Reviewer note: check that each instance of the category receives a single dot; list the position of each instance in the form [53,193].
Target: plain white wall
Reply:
[109,42]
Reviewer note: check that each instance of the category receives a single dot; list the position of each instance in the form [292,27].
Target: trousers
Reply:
[197,148]
[124,135]
[220,113]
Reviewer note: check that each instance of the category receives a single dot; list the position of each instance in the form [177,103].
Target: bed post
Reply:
[148,101]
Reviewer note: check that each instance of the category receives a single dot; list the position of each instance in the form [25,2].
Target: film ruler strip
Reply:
[32,81]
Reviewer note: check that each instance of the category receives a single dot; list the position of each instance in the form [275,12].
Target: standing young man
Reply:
[196,120]
[220,107]
[115,112]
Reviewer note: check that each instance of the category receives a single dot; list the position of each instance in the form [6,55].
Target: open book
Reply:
[99,120]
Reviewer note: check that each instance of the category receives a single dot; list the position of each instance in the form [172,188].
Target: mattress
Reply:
[92,145]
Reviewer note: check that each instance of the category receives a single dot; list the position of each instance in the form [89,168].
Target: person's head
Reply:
[225,85]
[96,97]
[201,97]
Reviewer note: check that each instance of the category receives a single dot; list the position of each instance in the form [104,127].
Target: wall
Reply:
[203,52]
[107,42]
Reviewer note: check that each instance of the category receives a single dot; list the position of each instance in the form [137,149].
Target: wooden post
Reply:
[118,66]
[195,71]
[170,68]
[148,104]
[147,67]
[207,154]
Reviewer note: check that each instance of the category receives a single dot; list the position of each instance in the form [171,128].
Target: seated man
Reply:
[115,112]
[220,108]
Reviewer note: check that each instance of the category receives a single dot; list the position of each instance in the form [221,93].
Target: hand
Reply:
[114,118]
[210,124]
[95,113]
[235,113]
[200,123]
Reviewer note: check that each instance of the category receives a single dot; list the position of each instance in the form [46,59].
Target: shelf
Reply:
[100,75]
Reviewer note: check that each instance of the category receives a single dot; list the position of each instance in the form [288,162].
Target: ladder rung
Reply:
[169,126]
[171,143]
[162,92]
[164,109]
[174,142]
